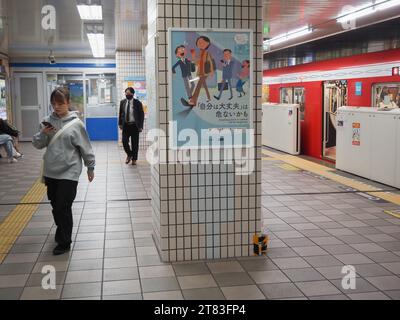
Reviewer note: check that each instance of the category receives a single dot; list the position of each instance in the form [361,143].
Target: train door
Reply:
[335,96]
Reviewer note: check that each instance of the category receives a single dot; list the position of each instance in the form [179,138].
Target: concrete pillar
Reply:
[202,211]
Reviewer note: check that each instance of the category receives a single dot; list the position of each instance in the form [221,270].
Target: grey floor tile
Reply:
[120,274]
[258,264]
[149,261]
[203,294]
[233,279]
[368,247]
[317,288]
[156,272]
[87,254]
[38,293]
[356,258]
[323,261]
[371,270]
[187,269]
[92,264]
[368,296]
[121,287]
[10,293]
[381,257]
[301,275]
[334,297]
[197,281]
[164,295]
[334,272]
[280,290]
[339,249]
[361,285]
[385,282]
[395,294]
[84,276]
[160,284]
[13,281]
[224,267]
[121,262]
[250,292]
[16,268]
[81,290]
[281,253]
[133,296]
[392,266]
[35,279]
[272,276]
[310,251]
[291,263]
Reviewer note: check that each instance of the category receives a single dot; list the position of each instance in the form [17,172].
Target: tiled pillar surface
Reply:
[130,64]
[205,211]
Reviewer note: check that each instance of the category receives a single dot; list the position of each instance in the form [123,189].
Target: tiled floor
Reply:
[315,227]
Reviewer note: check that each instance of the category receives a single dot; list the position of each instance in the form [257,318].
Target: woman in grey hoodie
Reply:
[62,163]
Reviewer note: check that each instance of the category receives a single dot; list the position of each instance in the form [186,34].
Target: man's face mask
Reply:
[129,96]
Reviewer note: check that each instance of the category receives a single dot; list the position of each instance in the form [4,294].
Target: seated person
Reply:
[7,141]
[7,129]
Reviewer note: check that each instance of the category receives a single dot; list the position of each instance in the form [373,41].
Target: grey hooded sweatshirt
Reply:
[63,159]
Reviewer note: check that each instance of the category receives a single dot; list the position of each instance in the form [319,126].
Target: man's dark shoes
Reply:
[58,250]
[128,159]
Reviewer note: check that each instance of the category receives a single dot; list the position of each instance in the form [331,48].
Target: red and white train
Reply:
[366,80]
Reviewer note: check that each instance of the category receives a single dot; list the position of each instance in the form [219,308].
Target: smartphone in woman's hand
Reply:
[47,124]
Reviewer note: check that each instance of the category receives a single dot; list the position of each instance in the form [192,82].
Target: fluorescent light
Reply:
[288,36]
[386,4]
[366,9]
[90,12]
[96,41]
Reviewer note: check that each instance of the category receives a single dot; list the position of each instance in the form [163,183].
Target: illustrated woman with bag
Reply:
[67,143]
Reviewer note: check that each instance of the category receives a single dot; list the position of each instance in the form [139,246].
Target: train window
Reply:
[286,95]
[386,95]
[294,95]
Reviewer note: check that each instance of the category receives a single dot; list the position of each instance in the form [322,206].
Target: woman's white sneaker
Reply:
[12,160]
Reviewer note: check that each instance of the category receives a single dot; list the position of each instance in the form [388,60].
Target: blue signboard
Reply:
[358,88]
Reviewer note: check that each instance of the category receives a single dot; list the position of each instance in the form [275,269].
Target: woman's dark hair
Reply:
[60,95]
[206,39]
[130,89]
[178,47]
[227,50]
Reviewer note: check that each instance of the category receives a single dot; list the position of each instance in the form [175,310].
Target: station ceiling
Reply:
[125,24]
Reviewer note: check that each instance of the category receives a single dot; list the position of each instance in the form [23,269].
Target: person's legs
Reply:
[64,196]
[135,143]
[187,87]
[193,100]
[205,87]
[7,142]
[230,87]
[125,140]
[52,185]
[222,83]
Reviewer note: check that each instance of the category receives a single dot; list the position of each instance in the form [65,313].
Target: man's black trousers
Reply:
[130,131]
[61,194]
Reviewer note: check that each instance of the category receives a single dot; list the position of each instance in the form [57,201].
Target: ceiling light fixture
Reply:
[90,12]
[97,44]
[288,36]
[366,9]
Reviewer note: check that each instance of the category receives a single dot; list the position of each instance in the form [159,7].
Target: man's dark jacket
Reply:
[138,113]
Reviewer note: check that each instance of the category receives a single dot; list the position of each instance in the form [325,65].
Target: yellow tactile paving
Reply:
[327,172]
[14,224]
[394,214]
[288,167]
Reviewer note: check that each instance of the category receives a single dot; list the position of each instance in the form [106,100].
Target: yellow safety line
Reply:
[396,215]
[327,173]
[14,224]
[288,167]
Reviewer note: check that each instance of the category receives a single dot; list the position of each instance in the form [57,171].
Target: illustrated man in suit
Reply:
[186,69]
[131,118]
[227,71]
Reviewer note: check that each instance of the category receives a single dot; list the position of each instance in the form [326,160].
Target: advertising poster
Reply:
[210,77]
[356,134]
[77,101]
[139,84]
